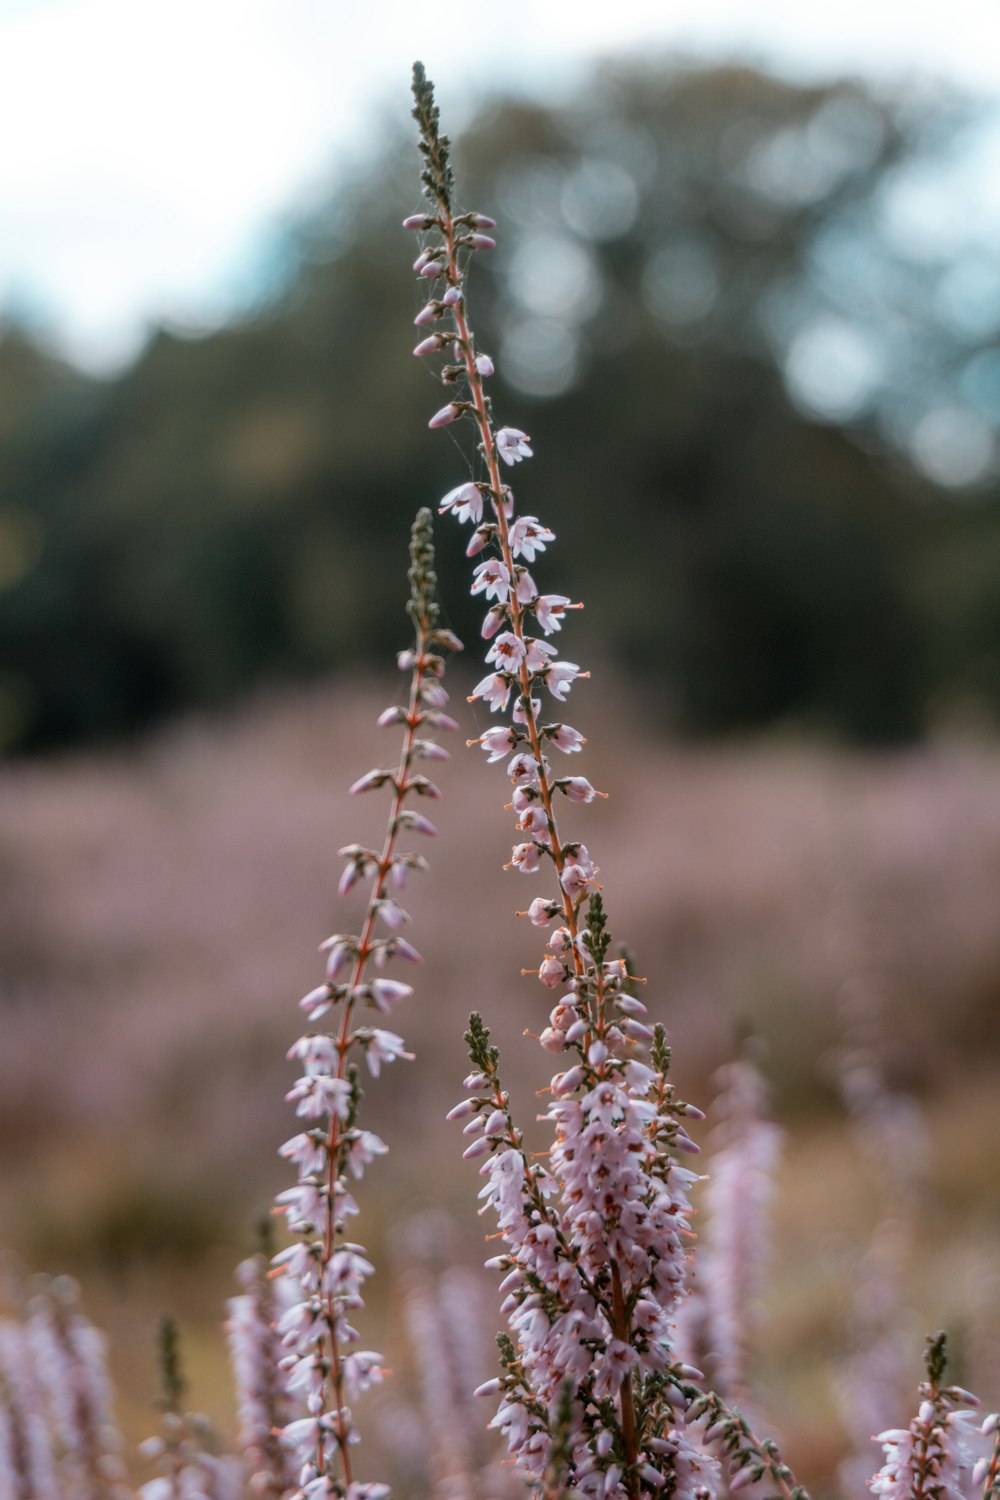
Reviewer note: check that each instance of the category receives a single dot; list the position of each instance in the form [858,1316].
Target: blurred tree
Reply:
[755,383]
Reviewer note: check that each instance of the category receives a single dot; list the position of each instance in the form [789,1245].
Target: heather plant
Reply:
[621,1360]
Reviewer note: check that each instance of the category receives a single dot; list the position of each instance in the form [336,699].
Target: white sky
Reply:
[148,144]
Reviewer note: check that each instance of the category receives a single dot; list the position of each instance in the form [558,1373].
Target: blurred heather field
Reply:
[161,918]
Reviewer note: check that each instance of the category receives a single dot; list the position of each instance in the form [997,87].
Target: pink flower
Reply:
[565,738]
[507,651]
[512,446]
[495,689]
[384,1047]
[526,857]
[528,536]
[492,576]
[560,676]
[484,364]
[465,502]
[537,652]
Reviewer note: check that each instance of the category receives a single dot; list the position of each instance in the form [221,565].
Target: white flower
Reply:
[507,651]
[526,857]
[528,536]
[549,610]
[559,677]
[496,742]
[384,1047]
[512,445]
[496,690]
[494,578]
[465,502]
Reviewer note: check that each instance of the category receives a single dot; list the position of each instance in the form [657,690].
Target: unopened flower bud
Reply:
[447,414]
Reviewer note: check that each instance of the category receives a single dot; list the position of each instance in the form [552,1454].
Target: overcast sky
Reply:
[150,145]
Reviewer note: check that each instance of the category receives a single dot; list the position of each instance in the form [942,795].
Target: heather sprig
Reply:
[933,1458]
[190,1468]
[323,1366]
[598,1237]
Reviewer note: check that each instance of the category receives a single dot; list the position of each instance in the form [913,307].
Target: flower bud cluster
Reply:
[596,1244]
[323,1367]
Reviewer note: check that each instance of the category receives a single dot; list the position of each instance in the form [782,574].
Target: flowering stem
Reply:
[744,1453]
[488,445]
[401,782]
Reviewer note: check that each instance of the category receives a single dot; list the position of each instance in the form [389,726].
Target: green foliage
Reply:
[218,514]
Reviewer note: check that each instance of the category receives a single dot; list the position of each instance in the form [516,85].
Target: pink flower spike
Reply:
[484,364]
[452,295]
[447,414]
[512,445]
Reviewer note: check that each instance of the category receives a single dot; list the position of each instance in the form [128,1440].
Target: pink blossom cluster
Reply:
[939,1455]
[262,1400]
[58,1437]
[323,1367]
[734,1250]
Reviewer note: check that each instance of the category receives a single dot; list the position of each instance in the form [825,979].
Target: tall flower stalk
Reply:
[324,1366]
[597,1238]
